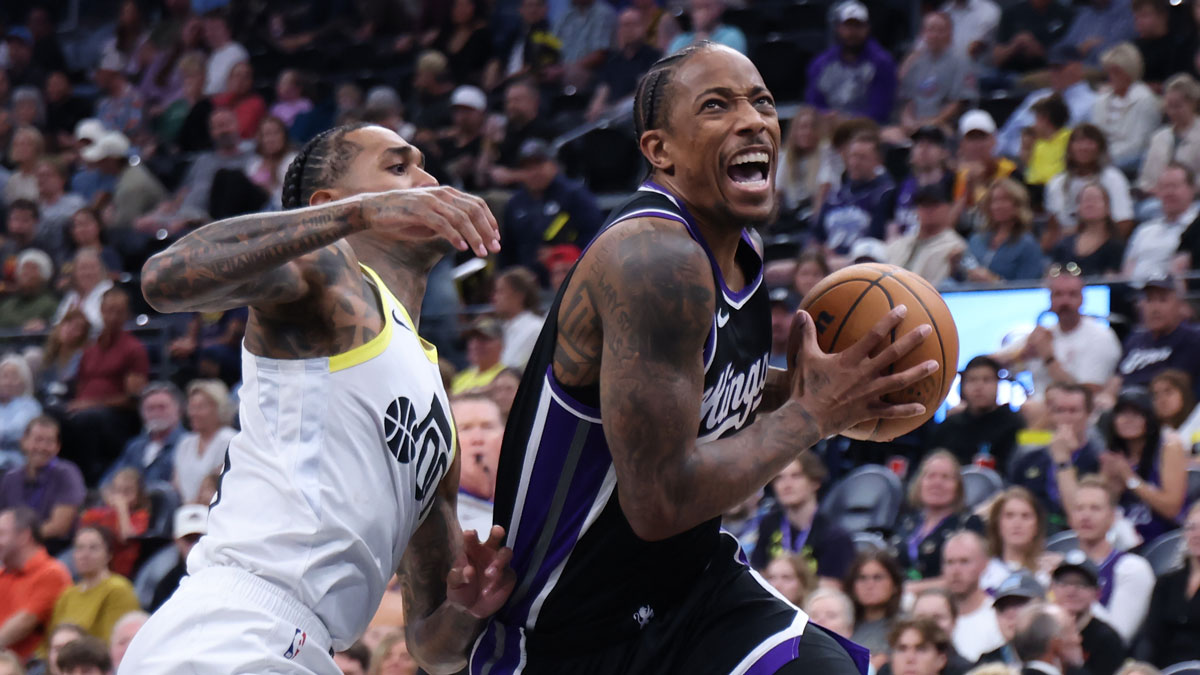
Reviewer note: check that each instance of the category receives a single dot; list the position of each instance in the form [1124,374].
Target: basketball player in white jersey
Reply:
[345,469]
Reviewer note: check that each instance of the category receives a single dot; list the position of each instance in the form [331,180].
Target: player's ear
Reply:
[323,196]
[655,150]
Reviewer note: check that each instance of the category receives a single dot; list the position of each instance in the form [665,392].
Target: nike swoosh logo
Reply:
[396,317]
[722,318]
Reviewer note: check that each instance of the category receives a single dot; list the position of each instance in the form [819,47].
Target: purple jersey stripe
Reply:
[858,653]
[776,658]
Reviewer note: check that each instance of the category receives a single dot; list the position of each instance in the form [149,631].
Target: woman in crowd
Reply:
[290,100]
[832,610]
[391,657]
[56,206]
[162,82]
[1094,245]
[1126,111]
[1172,629]
[28,108]
[183,125]
[1148,468]
[126,514]
[60,358]
[1179,139]
[89,282]
[130,33]
[1087,162]
[516,297]
[86,231]
[240,97]
[23,155]
[1016,534]
[272,155]
[811,268]
[1004,249]
[17,407]
[202,450]
[792,575]
[466,40]
[937,499]
[1175,404]
[100,597]
[876,585]
[800,160]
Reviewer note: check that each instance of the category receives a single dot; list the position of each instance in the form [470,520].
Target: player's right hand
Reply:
[422,214]
[481,580]
[844,389]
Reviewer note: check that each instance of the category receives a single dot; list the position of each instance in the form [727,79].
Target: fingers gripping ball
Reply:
[845,306]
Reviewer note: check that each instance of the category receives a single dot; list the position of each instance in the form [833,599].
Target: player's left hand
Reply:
[481,580]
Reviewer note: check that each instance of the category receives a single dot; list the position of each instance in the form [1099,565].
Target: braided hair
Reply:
[319,164]
[649,110]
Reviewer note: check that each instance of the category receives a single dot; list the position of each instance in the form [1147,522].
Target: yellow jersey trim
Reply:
[371,348]
[430,351]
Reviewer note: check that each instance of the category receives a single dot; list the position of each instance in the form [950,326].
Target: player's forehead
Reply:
[377,141]
[718,67]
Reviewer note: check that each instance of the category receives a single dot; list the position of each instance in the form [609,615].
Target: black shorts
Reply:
[731,623]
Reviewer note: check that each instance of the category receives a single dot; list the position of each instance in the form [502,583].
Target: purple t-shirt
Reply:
[58,483]
[1147,355]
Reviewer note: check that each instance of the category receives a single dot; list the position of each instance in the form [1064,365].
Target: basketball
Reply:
[845,306]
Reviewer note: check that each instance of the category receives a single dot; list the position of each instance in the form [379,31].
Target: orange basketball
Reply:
[845,306]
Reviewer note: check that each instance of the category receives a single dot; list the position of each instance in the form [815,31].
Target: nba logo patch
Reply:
[297,642]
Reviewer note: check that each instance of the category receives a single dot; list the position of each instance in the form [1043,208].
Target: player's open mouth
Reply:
[750,169]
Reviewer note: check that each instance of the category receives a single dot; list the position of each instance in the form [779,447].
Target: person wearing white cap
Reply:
[978,165]
[461,147]
[31,304]
[856,76]
[135,191]
[191,523]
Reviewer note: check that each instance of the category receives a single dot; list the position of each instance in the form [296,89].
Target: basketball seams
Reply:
[946,368]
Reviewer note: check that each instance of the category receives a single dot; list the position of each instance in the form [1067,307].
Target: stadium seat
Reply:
[868,541]
[1193,485]
[980,484]
[152,571]
[1062,542]
[1185,668]
[868,498]
[1163,553]
[163,502]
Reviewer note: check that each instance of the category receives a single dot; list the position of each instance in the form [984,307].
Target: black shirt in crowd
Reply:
[1104,260]
[1165,56]
[622,72]
[1036,472]
[1103,649]
[966,434]
[922,556]
[825,543]
[1047,25]
[1172,628]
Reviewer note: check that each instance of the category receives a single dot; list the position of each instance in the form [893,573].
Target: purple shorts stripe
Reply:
[484,649]
[778,656]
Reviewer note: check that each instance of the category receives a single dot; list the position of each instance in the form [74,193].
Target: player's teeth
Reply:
[751,157]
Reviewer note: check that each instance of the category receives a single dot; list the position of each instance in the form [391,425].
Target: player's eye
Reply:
[713,104]
[765,101]
[398,169]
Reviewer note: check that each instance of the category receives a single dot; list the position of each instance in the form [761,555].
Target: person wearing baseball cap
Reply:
[854,77]
[191,523]
[1012,596]
[1075,587]
[460,149]
[1162,340]
[933,248]
[485,343]
[978,165]
[927,167]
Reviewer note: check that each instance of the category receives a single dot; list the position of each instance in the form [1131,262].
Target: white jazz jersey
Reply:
[335,467]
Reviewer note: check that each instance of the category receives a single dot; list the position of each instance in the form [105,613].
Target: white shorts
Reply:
[223,620]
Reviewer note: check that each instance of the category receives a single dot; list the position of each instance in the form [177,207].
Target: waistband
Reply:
[266,595]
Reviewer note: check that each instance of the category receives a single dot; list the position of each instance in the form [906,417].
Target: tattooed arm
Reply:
[654,297]
[450,583]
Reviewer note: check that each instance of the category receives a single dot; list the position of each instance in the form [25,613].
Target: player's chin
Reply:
[755,203]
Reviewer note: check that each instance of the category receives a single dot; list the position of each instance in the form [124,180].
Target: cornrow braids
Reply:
[319,164]
[648,107]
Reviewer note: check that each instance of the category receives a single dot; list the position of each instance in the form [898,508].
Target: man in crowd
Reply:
[1162,341]
[122,634]
[223,52]
[1027,31]
[1049,473]
[430,102]
[1075,586]
[190,523]
[461,146]
[1066,80]
[1125,580]
[21,224]
[1165,51]
[31,304]
[30,582]
[975,23]
[533,51]
[919,647]
[935,81]
[85,656]
[618,76]
[1099,26]
[523,121]
[855,76]
[516,298]
[863,204]
[983,427]
[152,452]
[795,525]
[1012,596]
[964,557]
[480,431]
[49,485]
[933,249]
[706,25]
[134,191]
[1154,243]
[1047,640]
[485,343]
[120,109]
[586,33]
[927,167]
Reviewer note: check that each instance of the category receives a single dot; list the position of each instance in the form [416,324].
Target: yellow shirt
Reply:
[1004,168]
[98,608]
[473,378]
[1049,158]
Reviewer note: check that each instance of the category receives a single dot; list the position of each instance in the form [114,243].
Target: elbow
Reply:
[652,520]
[155,289]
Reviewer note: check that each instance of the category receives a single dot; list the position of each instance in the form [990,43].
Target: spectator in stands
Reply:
[1047,640]
[1095,248]
[918,647]
[123,633]
[705,16]
[135,191]
[61,636]
[55,205]
[855,76]
[532,50]
[1099,26]
[586,32]
[100,597]
[85,656]
[480,431]
[800,161]
[201,451]
[983,428]
[183,124]
[1175,404]
[1164,51]
[240,97]
[1010,598]
[927,167]
[130,32]
[1125,580]
[85,230]
[391,656]
[125,513]
[964,560]
[548,209]
[975,23]
[517,301]
[937,605]
[290,99]
[832,610]
[1027,32]
[485,343]
[273,154]
[190,523]
[618,76]
[211,346]
[1016,536]
[223,52]
[1087,161]
[811,268]
[10,664]
[30,582]
[1172,634]
[933,249]
[20,226]
[936,497]
[523,122]
[27,107]
[1127,111]
[864,203]
[153,451]
[466,40]
[354,661]
[60,359]
[1179,139]
[120,109]
[63,111]
[1048,155]
[48,484]
[1050,473]
[460,148]
[793,576]
[1066,80]
[23,154]
[1076,348]
[22,69]
[875,584]
[1162,341]
[1156,241]
[432,86]
[17,407]
[797,526]
[1004,249]
[1147,468]
[89,284]
[935,81]
[31,304]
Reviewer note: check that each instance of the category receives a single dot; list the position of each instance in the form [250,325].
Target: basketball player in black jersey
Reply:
[634,427]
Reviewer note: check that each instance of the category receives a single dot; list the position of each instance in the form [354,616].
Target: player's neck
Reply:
[403,267]
[801,515]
